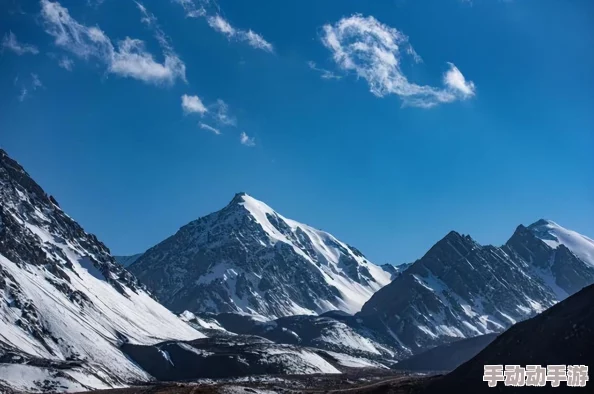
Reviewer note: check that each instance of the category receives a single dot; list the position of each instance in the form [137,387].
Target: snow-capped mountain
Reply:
[248,258]
[554,235]
[66,306]
[460,289]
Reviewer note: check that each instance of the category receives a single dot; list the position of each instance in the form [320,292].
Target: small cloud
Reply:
[36,83]
[221,25]
[373,51]
[26,89]
[455,80]
[147,18]
[222,114]
[257,41]
[193,104]
[191,9]
[10,42]
[132,60]
[324,74]
[23,94]
[245,140]
[129,59]
[204,126]
[66,63]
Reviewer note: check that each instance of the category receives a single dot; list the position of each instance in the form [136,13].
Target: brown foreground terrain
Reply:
[360,382]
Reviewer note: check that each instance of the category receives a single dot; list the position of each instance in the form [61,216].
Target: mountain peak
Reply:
[249,258]
[554,235]
[237,198]
[455,237]
[543,223]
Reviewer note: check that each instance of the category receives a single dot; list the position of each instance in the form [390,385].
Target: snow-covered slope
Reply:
[554,235]
[461,289]
[63,297]
[319,332]
[248,258]
[229,356]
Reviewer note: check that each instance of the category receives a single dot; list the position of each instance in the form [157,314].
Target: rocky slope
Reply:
[446,357]
[563,335]
[460,289]
[319,332]
[65,305]
[248,258]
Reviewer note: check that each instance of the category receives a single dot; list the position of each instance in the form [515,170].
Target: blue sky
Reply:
[386,123]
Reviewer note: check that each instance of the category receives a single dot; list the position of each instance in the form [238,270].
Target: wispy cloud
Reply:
[128,59]
[218,23]
[27,88]
[10,42]
[373,51]
[221,114]
[193,105]
[66,63]
[146,17]
[191,9]
[221,25]
[324,74]
[246,140]
[204,126]
[35,82]
[23,95]
[217,112]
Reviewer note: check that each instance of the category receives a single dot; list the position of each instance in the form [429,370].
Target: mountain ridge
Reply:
[460,289]
[243,251]
[63,298]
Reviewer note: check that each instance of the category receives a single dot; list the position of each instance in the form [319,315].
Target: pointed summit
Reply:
[542,223]
[238,197]
[554,235]
[249,258]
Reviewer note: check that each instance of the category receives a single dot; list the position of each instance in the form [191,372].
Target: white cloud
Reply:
[191,9]
[66,63]
[257,41]
[373,51]
[26,89]
[147,18]
[221,113]
[246,140]
[221,25]
[130,59]
[455,80]
[324,74]
[23,94]
[10,42]
[253,39]
[193,104]
[204,126]
[35,82]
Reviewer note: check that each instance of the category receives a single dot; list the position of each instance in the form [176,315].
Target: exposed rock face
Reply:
[461,289]
[562,335]
[248,258]
[65,304]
